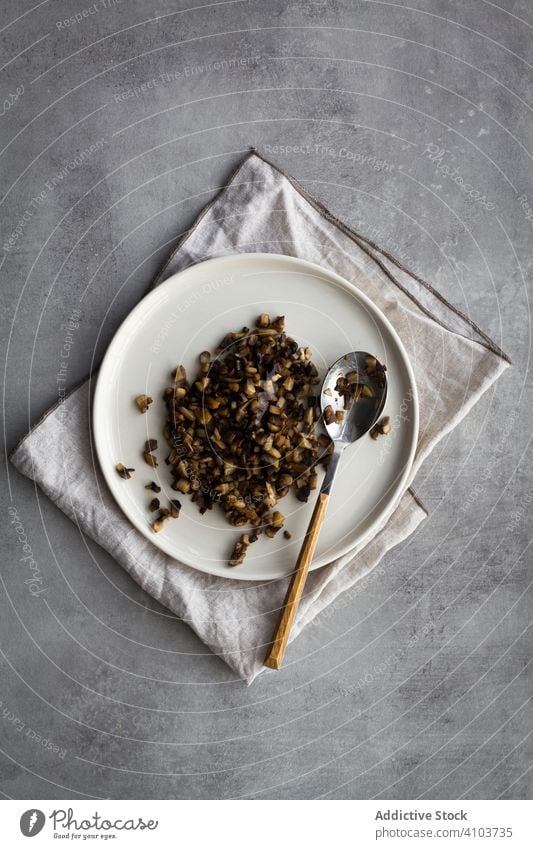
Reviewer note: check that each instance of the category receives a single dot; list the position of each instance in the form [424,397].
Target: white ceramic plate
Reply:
[191,312]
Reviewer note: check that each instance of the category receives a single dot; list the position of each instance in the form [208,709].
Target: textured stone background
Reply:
[419,683]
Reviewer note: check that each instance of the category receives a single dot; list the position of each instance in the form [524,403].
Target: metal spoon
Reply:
[364,370]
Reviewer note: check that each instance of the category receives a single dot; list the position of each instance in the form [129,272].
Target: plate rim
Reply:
[306,265]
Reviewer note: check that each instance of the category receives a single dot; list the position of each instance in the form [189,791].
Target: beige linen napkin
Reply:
[263,209]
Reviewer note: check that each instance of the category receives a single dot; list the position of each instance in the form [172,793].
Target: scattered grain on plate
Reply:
[357,384]
[170,512]
[157,524]
[239,550]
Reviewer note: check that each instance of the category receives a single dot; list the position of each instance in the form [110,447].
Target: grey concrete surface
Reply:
[413,122]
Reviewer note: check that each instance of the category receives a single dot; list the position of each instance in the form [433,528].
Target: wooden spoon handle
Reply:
[290,605]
